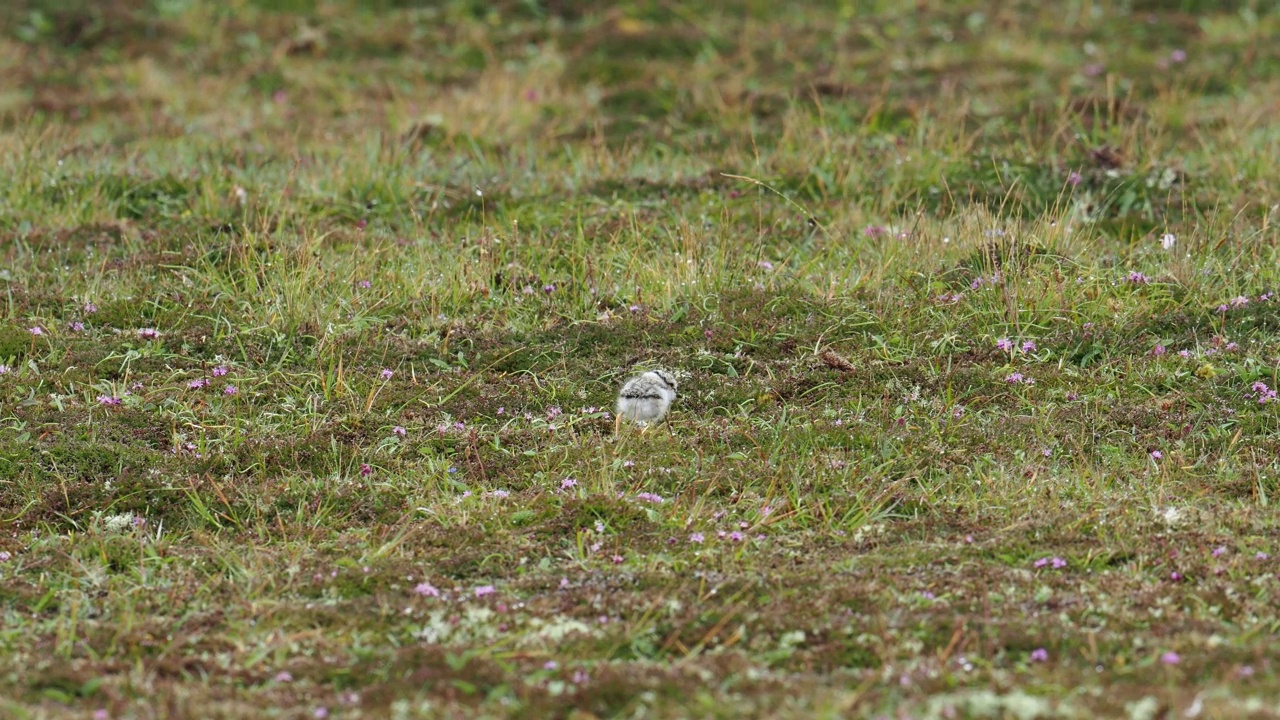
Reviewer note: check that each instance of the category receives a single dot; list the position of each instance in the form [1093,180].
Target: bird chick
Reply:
[647,397]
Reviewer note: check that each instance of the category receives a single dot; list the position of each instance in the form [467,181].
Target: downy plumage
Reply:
[647,397]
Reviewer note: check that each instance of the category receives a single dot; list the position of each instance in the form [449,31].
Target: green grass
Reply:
[334,299]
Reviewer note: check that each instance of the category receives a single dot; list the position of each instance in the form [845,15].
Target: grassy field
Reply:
[314,313]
